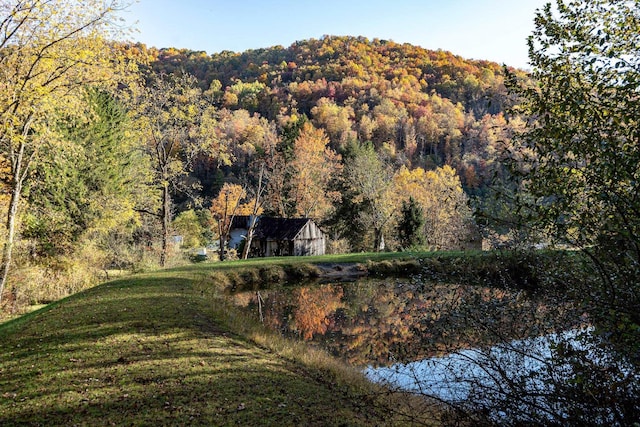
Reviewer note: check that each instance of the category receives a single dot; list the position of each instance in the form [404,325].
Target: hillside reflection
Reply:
[380,322]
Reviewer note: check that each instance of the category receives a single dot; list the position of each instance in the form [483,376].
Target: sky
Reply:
[494,30]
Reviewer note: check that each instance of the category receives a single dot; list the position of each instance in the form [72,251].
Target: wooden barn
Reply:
[279,236]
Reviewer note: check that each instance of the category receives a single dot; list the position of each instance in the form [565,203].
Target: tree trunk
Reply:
[18,175]
[166,218]
[11,227]
[377,239]
[254,219]
[247,244]
[222,242]
[223,230]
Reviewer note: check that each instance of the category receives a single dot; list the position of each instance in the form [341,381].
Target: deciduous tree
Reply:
[370,180]
[231,201]
[169,112]
[578,160]
[313,167]
[258,202]
[447,217]
[49,52]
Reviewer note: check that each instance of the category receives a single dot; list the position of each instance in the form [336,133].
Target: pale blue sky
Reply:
[479,29]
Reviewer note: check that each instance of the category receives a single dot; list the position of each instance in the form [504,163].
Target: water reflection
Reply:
[381,322]
[453,377]
[493,355]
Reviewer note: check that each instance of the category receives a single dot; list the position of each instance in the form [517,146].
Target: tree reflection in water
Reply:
[492,355]
[381,322]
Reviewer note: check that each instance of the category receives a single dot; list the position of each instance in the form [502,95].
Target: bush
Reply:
[397,267]
[338,246]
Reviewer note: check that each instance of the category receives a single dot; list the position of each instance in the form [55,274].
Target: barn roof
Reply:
[273,228]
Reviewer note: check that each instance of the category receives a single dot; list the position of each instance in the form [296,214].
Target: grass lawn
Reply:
[164,349]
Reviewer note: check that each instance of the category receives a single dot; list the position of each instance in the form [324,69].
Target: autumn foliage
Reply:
[343,130]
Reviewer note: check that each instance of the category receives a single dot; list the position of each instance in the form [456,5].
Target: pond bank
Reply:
[528,271]
[164,349]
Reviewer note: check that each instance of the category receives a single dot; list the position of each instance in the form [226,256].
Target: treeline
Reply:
[382,144]
[321,105]
[419,108]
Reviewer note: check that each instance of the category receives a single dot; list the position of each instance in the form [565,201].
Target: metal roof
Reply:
[272,228]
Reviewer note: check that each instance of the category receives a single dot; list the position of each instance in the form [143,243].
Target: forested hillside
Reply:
[375,121]
[384,145]
[419,108]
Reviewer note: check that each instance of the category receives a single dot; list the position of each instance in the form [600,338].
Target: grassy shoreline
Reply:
[165,348]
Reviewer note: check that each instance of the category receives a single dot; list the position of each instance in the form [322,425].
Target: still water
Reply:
[377,323]
[455,343]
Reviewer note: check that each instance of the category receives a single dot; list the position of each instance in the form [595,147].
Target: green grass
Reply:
[165,349]
[259,273]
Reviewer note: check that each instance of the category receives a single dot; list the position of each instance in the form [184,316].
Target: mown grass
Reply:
[165,349]
[357,258]
[531,271]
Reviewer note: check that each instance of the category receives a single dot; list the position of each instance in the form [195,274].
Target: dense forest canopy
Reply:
[344,130]
[419,108]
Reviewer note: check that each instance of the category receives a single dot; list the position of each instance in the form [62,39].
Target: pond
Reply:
[455,343]
[382,322]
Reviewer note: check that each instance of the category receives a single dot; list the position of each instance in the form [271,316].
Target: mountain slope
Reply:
[418,107]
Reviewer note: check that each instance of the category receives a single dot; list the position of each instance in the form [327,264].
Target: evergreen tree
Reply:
[410,224]
[86,184]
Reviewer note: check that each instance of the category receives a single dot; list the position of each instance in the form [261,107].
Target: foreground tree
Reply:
[578,164]
[169,112]
[50,51]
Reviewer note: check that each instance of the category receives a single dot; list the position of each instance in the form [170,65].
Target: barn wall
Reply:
[309,247]
[277,248]
[271,248]
[309,241]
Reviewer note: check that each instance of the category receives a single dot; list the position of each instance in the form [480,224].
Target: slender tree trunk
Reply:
[7,251]
[166,218]
[223,229]
[221,255]
[222,242]
[253,220]
[247,244]
[377,239]
[18,175]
